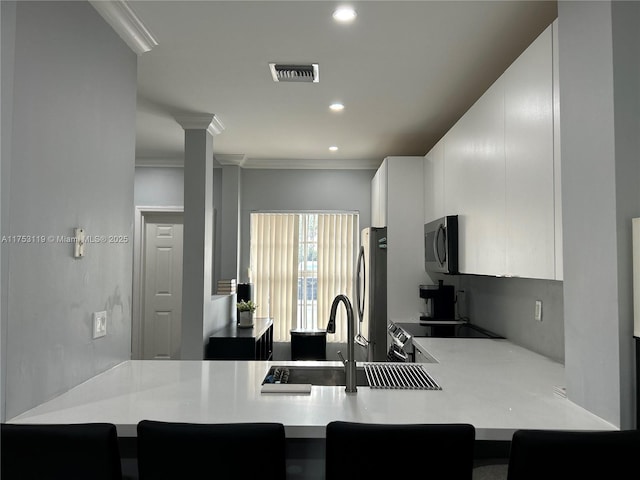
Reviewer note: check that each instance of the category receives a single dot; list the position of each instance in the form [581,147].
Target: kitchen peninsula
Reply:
[491,383]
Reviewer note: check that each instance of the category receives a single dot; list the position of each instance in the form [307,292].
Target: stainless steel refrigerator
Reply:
[371,293]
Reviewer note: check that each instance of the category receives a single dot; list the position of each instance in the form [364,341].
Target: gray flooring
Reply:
[489,469]
[490,472]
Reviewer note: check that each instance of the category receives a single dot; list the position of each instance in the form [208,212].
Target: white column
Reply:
[198,231]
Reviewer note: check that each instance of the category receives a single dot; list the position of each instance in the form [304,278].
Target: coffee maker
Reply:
[440,301]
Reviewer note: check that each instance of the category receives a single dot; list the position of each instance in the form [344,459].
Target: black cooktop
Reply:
[459,330]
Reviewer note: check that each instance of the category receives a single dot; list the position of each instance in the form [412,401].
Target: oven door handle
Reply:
[396,354]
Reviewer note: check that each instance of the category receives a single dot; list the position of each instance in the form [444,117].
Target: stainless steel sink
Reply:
[385,375]
[314,375]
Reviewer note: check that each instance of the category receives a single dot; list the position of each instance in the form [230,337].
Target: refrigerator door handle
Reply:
[361,281]
[361,284]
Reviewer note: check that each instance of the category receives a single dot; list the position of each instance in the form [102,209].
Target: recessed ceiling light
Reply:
[344,14]
[333,148]
[336,107]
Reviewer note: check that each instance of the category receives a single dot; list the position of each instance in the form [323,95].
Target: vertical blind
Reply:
[275,259]
[274,268]
[336,257]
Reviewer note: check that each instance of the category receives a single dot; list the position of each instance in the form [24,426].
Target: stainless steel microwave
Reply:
[441,245]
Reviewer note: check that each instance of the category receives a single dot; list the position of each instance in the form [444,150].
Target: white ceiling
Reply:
[405,70]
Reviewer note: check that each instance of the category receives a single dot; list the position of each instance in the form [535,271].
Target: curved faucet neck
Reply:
[350,363]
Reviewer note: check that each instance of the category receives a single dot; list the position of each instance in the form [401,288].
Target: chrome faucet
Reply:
[350,362]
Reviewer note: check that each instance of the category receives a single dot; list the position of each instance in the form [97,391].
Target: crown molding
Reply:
[126,24]
[231,159]
[312,164]
[243,161]
[160,162]
[207,121]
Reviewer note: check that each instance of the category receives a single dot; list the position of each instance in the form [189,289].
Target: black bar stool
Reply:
[60,452]
[172,451]
[584,455]
[436,451]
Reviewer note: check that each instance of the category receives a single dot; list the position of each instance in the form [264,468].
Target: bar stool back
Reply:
[169,450]
[549,455]
[64,452]
[435,451]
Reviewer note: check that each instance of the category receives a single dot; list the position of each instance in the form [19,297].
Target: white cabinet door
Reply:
[375,200]
[405,233]
[528,107]
[474,179]
[397,203]
[434,183]
[556,152]
[379,197]
[384,194]
[422,356]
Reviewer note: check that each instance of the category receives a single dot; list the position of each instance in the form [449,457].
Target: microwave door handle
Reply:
[435,245]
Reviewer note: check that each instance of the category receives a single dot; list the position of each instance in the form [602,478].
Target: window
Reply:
[307,311]
[299,263]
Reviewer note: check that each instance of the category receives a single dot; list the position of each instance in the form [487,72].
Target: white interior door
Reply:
[162,311]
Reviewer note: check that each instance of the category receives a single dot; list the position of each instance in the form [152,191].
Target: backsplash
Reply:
[506,306]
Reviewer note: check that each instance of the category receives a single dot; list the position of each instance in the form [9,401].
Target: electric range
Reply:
[402,333]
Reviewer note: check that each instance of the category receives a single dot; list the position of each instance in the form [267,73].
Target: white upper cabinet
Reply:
[474,172]
[434,183]
[528,110]
[498,169]
[556,153]
[379,197]
[397,195]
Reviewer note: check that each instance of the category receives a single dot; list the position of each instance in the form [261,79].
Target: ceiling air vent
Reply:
[294,73]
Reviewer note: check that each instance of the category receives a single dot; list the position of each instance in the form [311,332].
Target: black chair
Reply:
[584,455]
[60,452]
[362,450]
[169,450]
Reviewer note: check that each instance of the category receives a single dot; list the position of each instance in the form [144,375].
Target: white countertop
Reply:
[493,384]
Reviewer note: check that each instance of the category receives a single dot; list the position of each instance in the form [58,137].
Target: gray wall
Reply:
[159,187]
[506,306]
[229,214]
[626,82]
[262,189]
[7,30]
[265,190]
[71,164]
[273,190]
[164,187]
[599,77]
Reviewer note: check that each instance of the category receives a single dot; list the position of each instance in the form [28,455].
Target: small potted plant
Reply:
[246,312]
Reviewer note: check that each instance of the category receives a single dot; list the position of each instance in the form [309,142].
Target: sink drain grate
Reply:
[407,376]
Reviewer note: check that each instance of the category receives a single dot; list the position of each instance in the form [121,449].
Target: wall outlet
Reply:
[99,324]
[538,312]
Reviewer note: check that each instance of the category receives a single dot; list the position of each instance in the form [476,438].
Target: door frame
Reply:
[141,215]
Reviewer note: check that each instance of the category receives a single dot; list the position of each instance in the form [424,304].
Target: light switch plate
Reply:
[99,324]
[78,244]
